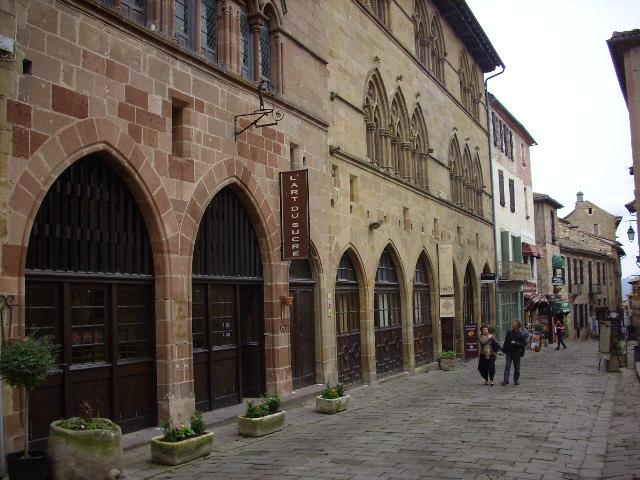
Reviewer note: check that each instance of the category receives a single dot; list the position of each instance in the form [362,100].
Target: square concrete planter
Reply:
[332,405]
[175,453]
[446,364]
[257,427]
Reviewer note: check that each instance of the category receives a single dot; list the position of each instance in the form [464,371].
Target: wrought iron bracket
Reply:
[273,115]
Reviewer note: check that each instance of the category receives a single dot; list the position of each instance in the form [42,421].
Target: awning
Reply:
[557,261]
[535,301]
[529,250]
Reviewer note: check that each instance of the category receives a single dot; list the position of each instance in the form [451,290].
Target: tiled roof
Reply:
[543,197]
[618,42]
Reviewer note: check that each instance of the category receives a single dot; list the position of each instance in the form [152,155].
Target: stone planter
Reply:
[257,427]
[175,453]
[446,364]
[84,454]
[332,405]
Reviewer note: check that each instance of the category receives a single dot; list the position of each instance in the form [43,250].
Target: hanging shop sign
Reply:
[294,213]
[487,278]
[470,340]
[557,281]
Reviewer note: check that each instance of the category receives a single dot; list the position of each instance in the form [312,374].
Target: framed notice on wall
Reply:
[447,307]
[294,214]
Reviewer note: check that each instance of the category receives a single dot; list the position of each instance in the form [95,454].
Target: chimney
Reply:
[580,197]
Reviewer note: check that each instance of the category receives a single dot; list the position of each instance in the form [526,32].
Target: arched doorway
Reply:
[422,314]
[227,308]
[302,330]
[348,339]
[89,285]
[387,317]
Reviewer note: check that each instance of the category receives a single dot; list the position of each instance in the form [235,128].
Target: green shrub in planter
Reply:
[332,400]
[27,363]
[446,360]
[182,443]
[263,418]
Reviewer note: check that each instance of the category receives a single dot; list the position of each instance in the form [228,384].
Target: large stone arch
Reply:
[106,139]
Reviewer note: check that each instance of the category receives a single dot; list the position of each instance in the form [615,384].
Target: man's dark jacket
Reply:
[518,347]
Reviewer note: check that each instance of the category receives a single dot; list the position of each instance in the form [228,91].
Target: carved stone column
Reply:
[424,162]
[394,155]
[407,170]
[371,147]
[256,25]
[278,63]
[385,160]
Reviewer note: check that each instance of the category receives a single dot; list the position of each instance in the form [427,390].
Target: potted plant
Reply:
[332,400]
[85,447]
[182,443]
[446,360]
[263,418]
[27,363]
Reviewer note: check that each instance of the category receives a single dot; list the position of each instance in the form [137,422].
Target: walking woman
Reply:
[487,360]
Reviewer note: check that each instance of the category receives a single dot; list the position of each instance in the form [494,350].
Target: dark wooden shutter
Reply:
[501,186]
[505,243]
[512,195]
[494,123]
[569,272]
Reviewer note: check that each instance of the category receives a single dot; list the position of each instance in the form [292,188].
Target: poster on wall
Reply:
[294,214]
[445,268]
[470,340]
[447,307]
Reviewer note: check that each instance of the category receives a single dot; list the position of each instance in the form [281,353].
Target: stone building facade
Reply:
[592,254]
[546,224]
[145,239]
[516,249]
[624,48]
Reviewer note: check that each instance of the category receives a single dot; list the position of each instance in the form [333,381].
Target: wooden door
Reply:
[348,341]
[252,340]
[422,318]
[303,358]
[446,327]
[89,285]
[387,317]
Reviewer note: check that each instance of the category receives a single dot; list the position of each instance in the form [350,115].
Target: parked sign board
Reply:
[294,214]
[470,340]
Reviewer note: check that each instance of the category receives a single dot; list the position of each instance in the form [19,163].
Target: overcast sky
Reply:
[561,85]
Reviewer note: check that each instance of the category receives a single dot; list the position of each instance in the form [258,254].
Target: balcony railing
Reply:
[595,290]
[575,289]
[515,272]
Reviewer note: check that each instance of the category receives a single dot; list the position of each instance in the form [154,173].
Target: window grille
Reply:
[247,46]
[209,28]
[265,53]
[134,10]
[184,22]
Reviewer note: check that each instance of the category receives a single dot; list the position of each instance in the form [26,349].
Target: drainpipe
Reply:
[493,195]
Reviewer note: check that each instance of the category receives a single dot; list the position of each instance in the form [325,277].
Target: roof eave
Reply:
[466,25]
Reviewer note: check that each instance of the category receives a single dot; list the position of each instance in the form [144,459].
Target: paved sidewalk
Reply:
[559,423]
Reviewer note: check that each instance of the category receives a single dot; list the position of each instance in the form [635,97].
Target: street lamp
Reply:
[631,233]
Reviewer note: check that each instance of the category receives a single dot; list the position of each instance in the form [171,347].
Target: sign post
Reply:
[470,340]
[294,214]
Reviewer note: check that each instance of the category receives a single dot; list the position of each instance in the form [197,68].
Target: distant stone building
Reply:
[516,249]
[588,245]
[546,225]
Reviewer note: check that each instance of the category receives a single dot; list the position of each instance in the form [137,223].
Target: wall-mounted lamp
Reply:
[375,225]
[286,301]
[631,234]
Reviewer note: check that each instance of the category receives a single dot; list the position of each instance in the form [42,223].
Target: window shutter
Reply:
[494,124]
[569,272]
[510,144]
[504,243]
[512,195]
[517,249]
[501,186]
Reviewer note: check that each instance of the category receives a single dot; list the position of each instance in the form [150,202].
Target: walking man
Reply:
[513,347]
[560,333]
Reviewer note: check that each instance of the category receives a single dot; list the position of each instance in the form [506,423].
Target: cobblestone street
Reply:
[561,422]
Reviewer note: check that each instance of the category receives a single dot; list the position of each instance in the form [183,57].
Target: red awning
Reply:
[529,250]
